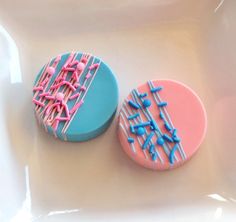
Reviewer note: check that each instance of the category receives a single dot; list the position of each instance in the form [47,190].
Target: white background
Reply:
[43,179]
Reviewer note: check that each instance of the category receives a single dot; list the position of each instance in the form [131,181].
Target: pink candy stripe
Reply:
[44,94]
[45,81]
[70,85]
[66,109]
[75,76]
[58,108]
[63,83]
[74,63]
[55,63]
[60,75]
[94,66]
[58,58]
[69,59]
[62,118]
[58,118]
[89,75]
[74,96]
[74,111]
[55,125]
[69,69]
[83,88]
[37,102]
[37,88]
[76,106]
[50,107]
[57,85]
[50,97]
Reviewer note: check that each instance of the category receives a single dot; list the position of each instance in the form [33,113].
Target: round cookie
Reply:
[162,124]
[75,96]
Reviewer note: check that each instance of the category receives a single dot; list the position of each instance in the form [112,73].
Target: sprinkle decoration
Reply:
[63,82]
[133,116]
[149,129]
[133,105]
[140,131]
[130,140]
[126,111]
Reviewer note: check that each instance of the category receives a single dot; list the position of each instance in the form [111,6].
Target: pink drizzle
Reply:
[37,102]
[38,88]
[64,82]
[94,66]
[59,103]
[44,94]
[89,75]
[74,96]
[68,69]
[76,106]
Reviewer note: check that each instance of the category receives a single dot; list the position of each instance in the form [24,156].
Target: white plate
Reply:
[43,179]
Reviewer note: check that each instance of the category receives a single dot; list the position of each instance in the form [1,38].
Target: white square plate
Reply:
[43,179]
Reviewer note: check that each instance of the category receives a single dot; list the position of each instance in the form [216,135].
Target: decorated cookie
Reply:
[75,96]
[162,124]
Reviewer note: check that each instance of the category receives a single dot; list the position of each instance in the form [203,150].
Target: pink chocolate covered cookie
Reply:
[162,124]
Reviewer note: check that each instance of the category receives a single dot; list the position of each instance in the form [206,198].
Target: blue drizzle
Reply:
[131,125]
[133,116]
[157,89]
[174,133]
[172,152]
[154,124]
[167,138]
[162,104]
[136,121]
[149,116]
[151,149]
[142,124]
[162,116]
[176,139]
[143,95]
[149,137]
[133,105]
[146,103]
[167,126]
[153,152]
[130,140]
[160,141]
[154,156]
[132,129]
[140,131]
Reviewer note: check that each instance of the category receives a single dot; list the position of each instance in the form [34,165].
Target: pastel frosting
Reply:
[162,124]
[75,96]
